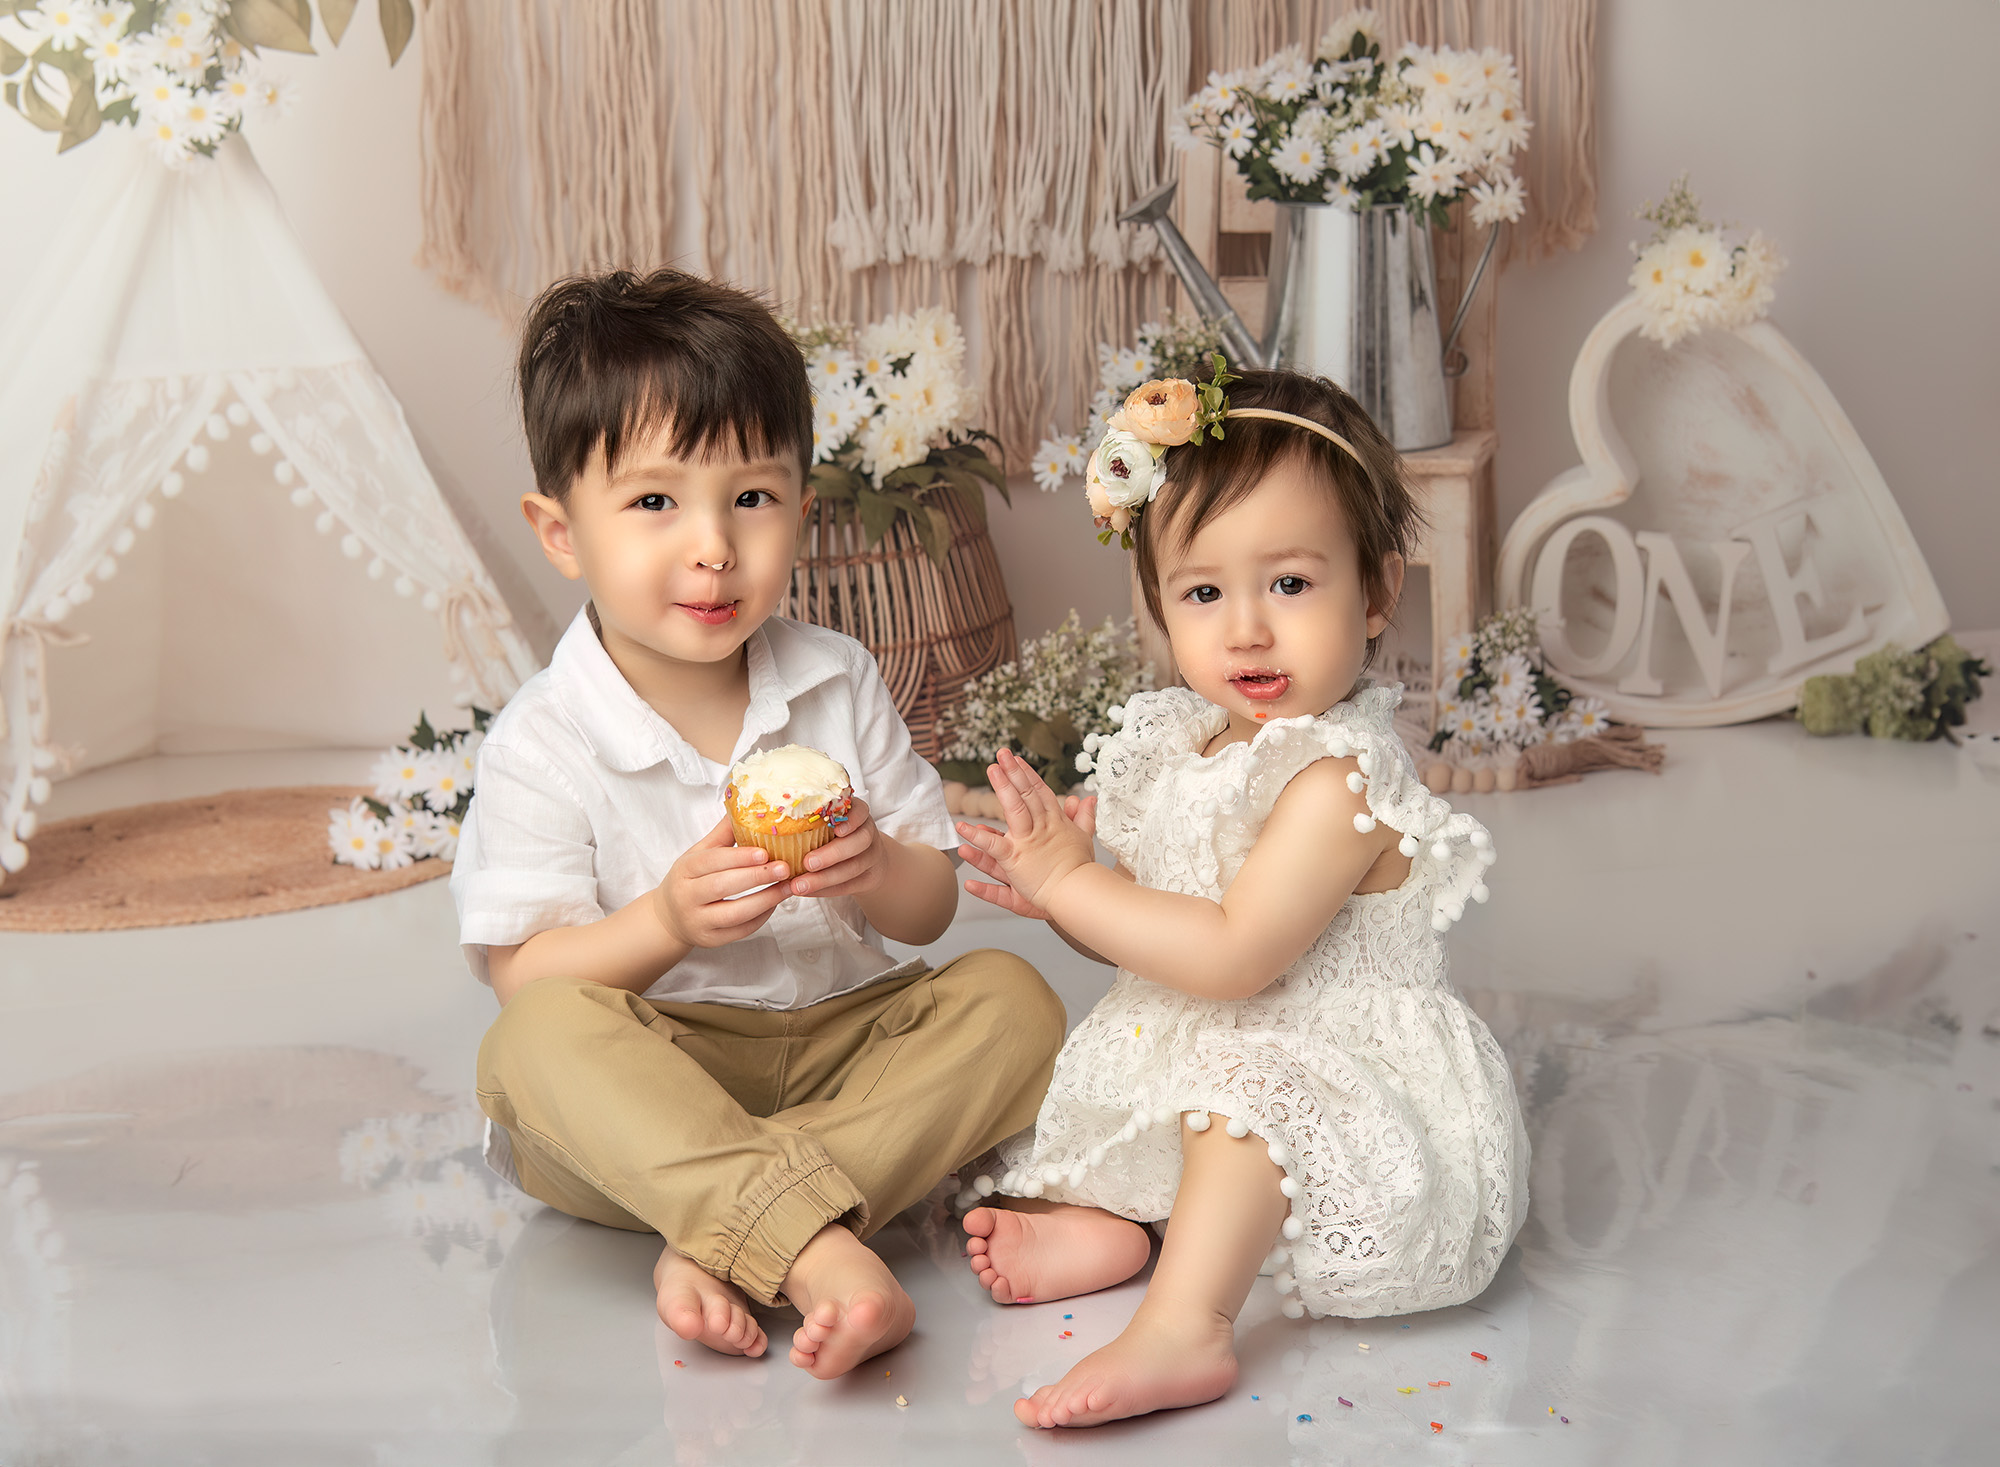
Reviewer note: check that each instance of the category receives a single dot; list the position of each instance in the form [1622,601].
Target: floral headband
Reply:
[1125,472]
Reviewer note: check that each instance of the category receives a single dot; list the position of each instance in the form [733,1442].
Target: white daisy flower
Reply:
[1340,191]
[1497,203]
[439,837]
[276,96]
[1437,127]
[398,775]
[109,18]
[393,848]
[1588,716]
[1513,680]
[1359,149]
[169,138]
[1399,125]
[1342,33]
[1300,159]
[1076,458]
[1697,258]
[203,119]
[175,52]
[1444,74]
[158,95]
[440,779]
[1238,134]
[1465,722]
[1051,466]
[1503,131]
[939,341]
[1290,82]
[830,366]
[1431,176]
[61,26]
[887,444]
[836,411]
[365,1153]
[115,62]
[237,90]
[352,832]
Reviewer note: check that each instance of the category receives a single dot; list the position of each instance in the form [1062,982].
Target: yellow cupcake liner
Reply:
[791,849]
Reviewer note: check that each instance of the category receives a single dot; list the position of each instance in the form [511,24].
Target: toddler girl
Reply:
[1281,1059]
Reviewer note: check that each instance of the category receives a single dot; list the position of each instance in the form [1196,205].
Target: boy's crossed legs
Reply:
[765,1144]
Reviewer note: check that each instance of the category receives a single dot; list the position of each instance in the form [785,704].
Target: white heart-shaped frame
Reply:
[1726,537]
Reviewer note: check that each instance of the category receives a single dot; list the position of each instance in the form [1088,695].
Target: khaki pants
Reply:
[737,1134]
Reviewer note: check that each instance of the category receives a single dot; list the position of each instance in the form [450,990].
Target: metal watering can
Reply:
[1352,296]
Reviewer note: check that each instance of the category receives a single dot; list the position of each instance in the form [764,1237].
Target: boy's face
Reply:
[683,560]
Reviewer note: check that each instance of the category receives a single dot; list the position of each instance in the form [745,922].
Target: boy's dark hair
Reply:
[606,356]
[1204,479]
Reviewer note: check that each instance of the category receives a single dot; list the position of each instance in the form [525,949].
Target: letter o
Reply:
[1546,595]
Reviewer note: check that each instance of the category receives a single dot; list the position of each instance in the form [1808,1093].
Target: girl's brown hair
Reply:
[1204,479]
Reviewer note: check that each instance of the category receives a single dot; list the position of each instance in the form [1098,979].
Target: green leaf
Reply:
[964,771]
[933,529]
[834,484]
[1037,737]
[399,22]
[122,110]
[11,60]
[424,736]
[878,512]
[81,122]
[1064,728]
[334,15]
[283,25]
[481,718]
[29,101]
[375,807]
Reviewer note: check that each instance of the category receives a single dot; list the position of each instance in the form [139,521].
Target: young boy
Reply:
[694,1040]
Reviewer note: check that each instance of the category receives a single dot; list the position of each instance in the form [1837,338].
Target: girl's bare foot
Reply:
[1161,1361]
[1052,1253]
[698,1306]
[854,1307]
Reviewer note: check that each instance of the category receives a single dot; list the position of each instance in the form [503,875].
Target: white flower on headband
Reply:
[1129,469]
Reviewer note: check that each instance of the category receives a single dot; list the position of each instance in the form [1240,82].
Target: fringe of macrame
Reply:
[1620,746]
[858,156]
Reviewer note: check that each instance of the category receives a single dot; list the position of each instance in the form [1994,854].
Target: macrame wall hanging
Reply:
[850,157]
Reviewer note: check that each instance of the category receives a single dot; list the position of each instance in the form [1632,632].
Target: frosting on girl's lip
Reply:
[1261,683]
[709,613]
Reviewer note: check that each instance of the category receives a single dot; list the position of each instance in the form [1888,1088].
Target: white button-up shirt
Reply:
[584,796]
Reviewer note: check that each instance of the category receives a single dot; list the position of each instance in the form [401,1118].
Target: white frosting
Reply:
[794,780]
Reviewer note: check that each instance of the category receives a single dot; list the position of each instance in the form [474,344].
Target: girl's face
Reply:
[1266,609]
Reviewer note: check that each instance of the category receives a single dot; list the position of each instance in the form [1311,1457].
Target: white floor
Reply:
[1753,1005]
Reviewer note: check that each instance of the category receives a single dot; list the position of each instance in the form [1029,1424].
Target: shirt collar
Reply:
[624,731]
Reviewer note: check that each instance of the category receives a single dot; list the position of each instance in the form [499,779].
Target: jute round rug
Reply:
[241,854]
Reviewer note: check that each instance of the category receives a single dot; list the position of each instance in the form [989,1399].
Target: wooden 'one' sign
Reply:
[1726,537]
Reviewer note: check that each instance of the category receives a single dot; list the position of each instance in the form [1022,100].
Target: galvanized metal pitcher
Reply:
[1352,296]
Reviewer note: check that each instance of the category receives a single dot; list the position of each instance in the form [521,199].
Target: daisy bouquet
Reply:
[1054,703]
[1689,277]
[892,424]
[422,791]
[184,73]
[1496,697]
[1420,129]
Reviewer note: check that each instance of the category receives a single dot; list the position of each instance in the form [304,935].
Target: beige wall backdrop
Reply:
[1834,125]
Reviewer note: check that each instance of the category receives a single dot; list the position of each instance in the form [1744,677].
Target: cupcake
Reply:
[787,801]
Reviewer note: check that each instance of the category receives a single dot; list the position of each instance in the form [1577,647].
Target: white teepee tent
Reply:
[176,345]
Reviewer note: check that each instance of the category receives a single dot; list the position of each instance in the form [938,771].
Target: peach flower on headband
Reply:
[1164,411]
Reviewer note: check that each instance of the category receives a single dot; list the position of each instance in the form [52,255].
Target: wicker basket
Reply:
[932,630]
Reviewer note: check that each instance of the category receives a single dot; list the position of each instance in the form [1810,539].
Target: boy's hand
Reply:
[848,865]
[1079,810]
[693,903]
[1042,843]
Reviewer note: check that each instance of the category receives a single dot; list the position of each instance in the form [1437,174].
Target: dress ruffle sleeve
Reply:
[1157,727]
[1450,850]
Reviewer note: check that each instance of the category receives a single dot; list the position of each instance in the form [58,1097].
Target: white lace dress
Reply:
[1381,1093]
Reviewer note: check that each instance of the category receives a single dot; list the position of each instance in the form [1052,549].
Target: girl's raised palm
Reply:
[1041,832]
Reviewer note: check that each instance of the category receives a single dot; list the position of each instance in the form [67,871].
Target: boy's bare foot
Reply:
[1031,1257]
[1160,1361]
[854,1307]
[698,1306]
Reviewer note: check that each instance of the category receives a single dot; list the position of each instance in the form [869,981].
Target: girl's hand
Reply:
[1042,844]
[1079,810]
[848,865]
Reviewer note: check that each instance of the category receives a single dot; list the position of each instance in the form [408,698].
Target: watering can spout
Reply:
[1243,348]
